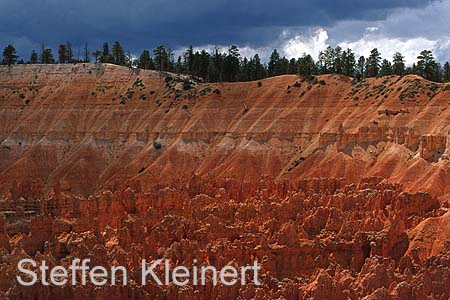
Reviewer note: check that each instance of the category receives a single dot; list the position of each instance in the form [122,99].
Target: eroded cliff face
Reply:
[338,188]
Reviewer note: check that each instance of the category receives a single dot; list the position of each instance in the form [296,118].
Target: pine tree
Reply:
[427,66]
[215,67]
[189,59]
[386,68]
[106,55]
[162,58]
[293,68]
[204,64]
[62,54]
[195,67]
[179,69]
[373,63]
[118,54]
[259,68]
[446,72]
[398,64]
[337,60]
[327,60]
[348,63]
[306,66]
[33,57]
[9,55]
[245,70]
[284,66]
[47,56]
[231,64]
[105,49]
[145,61]
[274,64]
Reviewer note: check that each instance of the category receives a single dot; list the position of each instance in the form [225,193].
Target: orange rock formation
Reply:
[338,188]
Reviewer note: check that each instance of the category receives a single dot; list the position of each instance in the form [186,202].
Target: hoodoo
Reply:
[338,188]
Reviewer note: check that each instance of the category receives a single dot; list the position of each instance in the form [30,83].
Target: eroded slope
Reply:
[339,188]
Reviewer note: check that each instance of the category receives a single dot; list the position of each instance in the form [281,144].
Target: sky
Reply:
[293,27]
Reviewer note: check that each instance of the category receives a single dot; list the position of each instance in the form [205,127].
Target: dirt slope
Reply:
[84,125]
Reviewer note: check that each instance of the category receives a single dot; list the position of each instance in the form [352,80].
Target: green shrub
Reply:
[157,145]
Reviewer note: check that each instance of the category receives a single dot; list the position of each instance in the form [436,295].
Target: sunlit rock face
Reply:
[338,188]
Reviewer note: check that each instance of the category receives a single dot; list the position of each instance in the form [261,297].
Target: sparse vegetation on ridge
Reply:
[231,67]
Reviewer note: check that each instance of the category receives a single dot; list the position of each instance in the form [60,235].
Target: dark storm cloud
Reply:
[139,23]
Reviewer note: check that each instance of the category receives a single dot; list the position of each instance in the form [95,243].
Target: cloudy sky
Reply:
[291,26]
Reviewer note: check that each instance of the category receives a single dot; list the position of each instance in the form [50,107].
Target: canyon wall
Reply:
[338,188]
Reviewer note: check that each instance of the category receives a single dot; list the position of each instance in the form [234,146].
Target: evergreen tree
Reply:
[274,64]
[446,72]
[106,55]
[373,63]
[195,67]
[145,61]
[284,66]
[386,68]
[179,67]
[427,66]
[245,73]
[33,57]
[293,68]
[62,54]
[69,54]
[162,58]
[47,56]
[118,54]
[337,60]
[204,64]
[398,64]
[259,68]
[215,67]
[348,63]
[9,55]
[306,66]
[326,61]
[189,59]
[231,64]
[105,49]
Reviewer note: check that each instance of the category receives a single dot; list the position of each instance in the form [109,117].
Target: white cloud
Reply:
[244,51]
[406,30]
[371,29]
[289,44]
[299,44]
[410,48]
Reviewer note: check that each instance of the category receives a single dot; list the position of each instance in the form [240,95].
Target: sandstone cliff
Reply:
[339,188]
